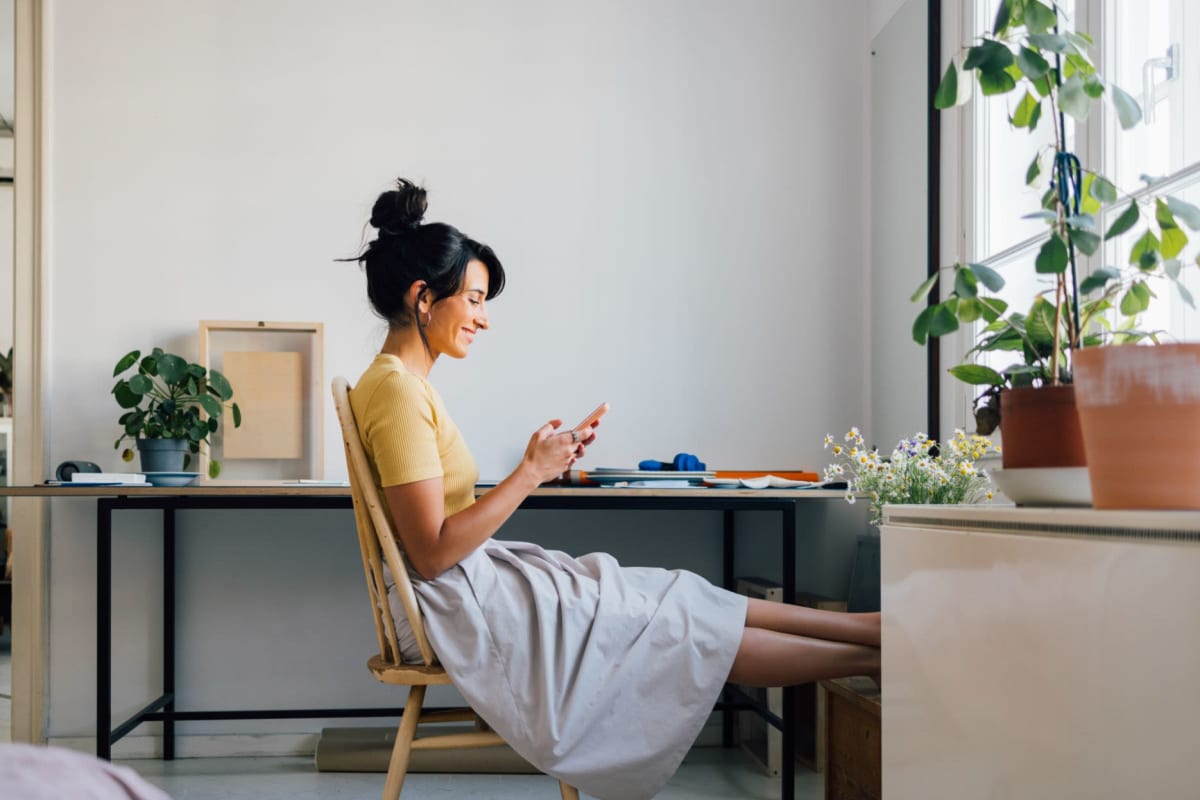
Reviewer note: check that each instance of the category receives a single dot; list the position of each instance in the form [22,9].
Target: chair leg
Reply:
[568,792]
[398,764]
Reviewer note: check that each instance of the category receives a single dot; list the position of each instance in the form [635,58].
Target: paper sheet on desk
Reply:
[763,482]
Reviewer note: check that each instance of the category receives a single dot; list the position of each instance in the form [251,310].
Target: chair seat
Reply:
[407,674]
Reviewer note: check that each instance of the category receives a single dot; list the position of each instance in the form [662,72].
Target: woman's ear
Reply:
[418,296]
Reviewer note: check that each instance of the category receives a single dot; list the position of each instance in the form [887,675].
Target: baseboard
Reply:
[200,746]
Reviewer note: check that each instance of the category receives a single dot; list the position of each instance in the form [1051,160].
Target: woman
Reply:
[598,674]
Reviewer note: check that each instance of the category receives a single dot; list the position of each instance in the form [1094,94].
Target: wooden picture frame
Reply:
[277,373]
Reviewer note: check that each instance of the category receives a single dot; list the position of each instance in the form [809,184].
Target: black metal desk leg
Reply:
[103,628]
[788,737]
[727,576]
[168,641]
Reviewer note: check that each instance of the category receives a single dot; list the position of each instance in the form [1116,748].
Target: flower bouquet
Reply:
[918,472]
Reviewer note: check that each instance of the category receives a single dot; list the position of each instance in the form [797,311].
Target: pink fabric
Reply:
[29,772]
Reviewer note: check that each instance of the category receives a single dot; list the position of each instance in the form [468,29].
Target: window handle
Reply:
[1166,63]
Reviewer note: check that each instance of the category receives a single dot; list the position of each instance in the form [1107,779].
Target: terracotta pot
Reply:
[1039,427]
[1140,411]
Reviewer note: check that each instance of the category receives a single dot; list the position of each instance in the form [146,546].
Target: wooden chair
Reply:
[378,544]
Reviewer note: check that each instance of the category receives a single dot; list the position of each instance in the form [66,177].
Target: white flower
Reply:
[850,498]
[828,439]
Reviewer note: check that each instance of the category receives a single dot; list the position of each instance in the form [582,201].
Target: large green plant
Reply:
[164,399]
[1048,76]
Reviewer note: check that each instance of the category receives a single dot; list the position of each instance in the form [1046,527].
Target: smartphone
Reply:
[586,425]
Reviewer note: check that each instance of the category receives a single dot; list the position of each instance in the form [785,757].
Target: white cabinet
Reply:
[1039,653]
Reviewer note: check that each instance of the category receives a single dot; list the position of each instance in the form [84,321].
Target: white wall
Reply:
[675,189]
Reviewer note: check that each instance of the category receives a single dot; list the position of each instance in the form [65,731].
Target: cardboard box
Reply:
[852,729]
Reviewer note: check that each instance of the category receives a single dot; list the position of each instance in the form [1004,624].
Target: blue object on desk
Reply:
[684,462]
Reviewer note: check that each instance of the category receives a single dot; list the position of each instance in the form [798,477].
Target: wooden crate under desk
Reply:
[853,768]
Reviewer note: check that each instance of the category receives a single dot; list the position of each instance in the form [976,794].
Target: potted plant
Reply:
[166,401]
[1051,76]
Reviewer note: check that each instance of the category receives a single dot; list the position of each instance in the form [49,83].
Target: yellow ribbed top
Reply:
[407,434]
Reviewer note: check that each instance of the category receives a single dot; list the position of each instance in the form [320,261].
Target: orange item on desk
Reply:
[791,475]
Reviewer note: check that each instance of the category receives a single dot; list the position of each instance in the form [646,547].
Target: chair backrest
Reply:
[377,540]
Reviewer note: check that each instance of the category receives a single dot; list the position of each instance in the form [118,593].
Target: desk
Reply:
[295,497]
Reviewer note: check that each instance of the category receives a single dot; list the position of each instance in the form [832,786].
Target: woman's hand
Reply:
[551,452]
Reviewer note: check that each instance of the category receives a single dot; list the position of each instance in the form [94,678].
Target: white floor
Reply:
[6,685]
[708,773]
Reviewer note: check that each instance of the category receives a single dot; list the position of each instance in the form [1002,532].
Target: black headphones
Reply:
[68,468]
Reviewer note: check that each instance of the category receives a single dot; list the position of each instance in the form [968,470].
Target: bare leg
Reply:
[771,658]
[836,626]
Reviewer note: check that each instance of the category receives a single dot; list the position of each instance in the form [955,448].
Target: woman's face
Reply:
[454,320]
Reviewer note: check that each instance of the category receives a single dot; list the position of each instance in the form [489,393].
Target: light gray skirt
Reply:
[597,674]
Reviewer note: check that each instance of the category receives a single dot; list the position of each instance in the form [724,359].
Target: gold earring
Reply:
[428,318]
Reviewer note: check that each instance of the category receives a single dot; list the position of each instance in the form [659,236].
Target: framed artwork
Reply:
[277,372]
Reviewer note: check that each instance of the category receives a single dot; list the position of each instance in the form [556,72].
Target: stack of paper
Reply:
[110,478]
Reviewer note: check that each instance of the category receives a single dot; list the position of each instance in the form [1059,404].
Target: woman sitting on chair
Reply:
[598,674]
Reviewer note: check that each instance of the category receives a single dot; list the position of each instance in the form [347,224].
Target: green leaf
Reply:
[920,328]
[1103,190]
[1032,65]
[965,283]
[1038,18]
[1003,16]
[221,384]
[1127,220]
[1042,85]
[924,288]
[990,56]
[1073,100]
[1053,42]
[1052,258]
[214,468]
[1184,211]
[1173,242]
[947,91]
[1172,267]
[1185,295]
[1128,110]
[977,375]
[1086,241]
[1027,112]
[1145,251]
[1136,299]
[943,320]
[1035,169]
[237,416]
[998,82]
[172,368]
[992,307]
[126,398]
[1080,42]
[969,309]
[1163,215]
[211,404]
[1039,325]
[987,276]
[1082,221]
[127,361]
[140,384]
[1093,87]
[1098,279]
[1044,215]
[1087,203]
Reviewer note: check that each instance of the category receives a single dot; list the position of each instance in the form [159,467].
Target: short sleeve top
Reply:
[407,434]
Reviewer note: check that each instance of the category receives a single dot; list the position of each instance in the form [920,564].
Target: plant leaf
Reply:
[1039,325]
[987,276]
[924,288]
[992,307]
[1055,43]
[1032,65]
[1185,211]
[969,309]
[1052,258]
[1027,112]
[1098,279]
[1003,16]
[211,404]
[989,56]
[1128,111]
[237,416]
[1136,299]
[221,384]
[1173,242]
[998,82]
[1185,295]
[1038,18]
[965,284]
[920,328]
[1086,241]
[127,361]
[214,468]
[1093,87]
[1163,215]
[1044,215]
[944,320]
[947,91]
[1127,220]
[140,384]
[1103,190]
[1073,100]
[126,398]
[171,368]
[1145,251]
[977,375]
[1082,221]
[1035,169]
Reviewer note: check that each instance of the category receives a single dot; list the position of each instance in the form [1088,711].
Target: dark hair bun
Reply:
[400,210]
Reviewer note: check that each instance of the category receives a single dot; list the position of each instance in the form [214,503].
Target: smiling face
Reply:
[454,320]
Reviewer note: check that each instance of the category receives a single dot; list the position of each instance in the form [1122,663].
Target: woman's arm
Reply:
[435,542]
